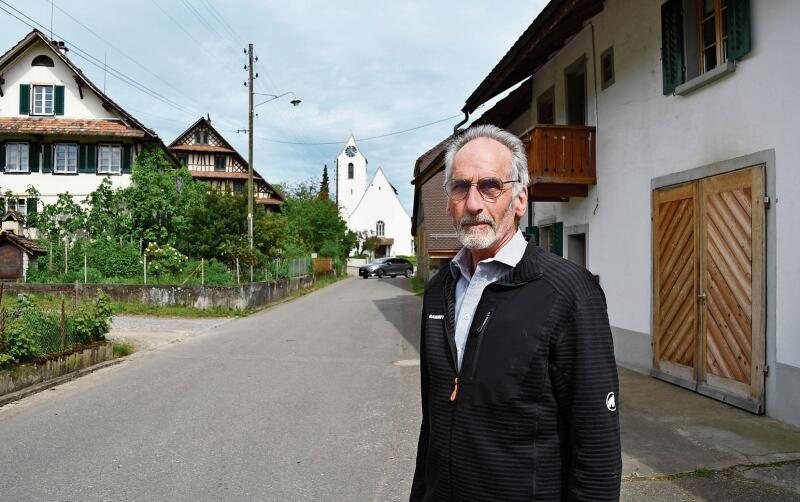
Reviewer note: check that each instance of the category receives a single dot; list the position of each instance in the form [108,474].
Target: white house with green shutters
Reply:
[58,131]
[663,158]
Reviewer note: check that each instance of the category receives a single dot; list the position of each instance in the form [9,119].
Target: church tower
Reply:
[351,178]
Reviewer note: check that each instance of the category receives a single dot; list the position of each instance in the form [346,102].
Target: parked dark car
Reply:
[387,266]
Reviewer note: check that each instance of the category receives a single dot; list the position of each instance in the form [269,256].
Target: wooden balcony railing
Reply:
[561,162]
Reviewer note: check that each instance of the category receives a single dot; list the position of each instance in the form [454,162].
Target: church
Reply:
[371,208]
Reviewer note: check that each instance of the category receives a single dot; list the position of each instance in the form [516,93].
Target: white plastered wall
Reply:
[643,134]
[349,191]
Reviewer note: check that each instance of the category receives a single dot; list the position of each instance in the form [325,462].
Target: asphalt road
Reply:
[314,399]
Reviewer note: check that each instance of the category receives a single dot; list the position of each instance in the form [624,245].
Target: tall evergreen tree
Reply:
[324,192]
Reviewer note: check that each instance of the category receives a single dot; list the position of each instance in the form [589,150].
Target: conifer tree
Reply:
[323,188]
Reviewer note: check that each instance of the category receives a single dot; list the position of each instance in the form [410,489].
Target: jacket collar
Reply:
[528,268]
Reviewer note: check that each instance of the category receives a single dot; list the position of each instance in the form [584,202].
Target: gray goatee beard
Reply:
[476,238]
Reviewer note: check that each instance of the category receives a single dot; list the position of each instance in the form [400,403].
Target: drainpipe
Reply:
[596,114]
[455,129]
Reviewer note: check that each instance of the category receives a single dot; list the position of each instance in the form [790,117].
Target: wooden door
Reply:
[708,286]
[675,269]
[10,262]
[732,288]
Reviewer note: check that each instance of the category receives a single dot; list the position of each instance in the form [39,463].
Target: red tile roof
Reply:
[68,127]
[201,148]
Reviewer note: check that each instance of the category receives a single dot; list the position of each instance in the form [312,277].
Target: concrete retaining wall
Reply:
[241,296]
[29,374]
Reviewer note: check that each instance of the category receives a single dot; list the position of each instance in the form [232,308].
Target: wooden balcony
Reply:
[561,162]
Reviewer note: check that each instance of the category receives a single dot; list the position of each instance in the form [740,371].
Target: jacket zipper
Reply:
[478,333]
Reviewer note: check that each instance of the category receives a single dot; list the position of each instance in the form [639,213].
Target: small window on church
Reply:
[42,60]
[350,171]
[379,228]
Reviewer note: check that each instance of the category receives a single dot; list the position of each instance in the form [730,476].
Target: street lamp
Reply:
[272,97]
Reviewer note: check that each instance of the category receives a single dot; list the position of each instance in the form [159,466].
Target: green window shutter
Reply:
[24,99]
[535,234]
[33,157]
[672,44]
[47,158]
[85,158]
[738,21]
[557,242]
[2,157]
[30,205]
[126,158]
[58,100]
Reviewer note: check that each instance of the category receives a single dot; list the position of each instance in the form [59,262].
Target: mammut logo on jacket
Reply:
[435,316]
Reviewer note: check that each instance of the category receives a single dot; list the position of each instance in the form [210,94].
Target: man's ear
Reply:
[521,203]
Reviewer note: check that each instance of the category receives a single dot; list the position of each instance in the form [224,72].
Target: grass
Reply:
[122,349]
[418,285]
[129,308]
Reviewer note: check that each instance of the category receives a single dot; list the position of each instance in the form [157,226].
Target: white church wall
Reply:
[380,203]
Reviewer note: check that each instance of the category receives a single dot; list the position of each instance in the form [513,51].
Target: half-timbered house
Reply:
[210,158]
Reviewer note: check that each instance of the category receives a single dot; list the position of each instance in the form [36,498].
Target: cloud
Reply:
[364,67]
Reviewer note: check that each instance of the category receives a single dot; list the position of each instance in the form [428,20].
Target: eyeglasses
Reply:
[489,188]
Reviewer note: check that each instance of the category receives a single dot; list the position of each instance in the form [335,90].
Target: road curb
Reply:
[36,388]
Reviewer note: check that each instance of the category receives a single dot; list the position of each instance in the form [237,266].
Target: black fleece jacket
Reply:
[532,414]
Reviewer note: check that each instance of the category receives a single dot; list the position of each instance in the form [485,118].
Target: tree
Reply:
[218,219]
[160,198]
[318,224]
[324,192]
[106,213]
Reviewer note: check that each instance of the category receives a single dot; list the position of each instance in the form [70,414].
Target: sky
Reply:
[369,68]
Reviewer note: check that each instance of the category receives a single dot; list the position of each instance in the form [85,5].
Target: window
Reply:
[712,33]
[350,171]
[65,158]
[183,159]
[545,107]
[379,228]
[43,100]
[42,60]
[15,204]
[575,80]
[698,36]
[17,158]
[201,137]
[219,163]
[109,159]
[238,186]
[607,68]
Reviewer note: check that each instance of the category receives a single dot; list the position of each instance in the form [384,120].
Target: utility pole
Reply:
[250,145]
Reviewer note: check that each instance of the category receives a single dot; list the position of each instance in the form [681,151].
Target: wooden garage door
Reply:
[708,243]
[675,269]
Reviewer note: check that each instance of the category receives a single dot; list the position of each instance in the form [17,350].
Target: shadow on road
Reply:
[403,311]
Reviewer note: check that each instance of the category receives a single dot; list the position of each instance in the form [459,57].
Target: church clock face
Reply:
[350,151]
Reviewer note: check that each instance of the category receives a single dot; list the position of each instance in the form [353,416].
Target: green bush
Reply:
[93,323]
[217,273]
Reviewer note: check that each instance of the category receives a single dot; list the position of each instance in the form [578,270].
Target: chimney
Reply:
[60,46]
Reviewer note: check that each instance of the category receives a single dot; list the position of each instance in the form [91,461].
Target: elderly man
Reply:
[519,381]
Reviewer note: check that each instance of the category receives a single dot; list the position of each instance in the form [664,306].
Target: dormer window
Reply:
[43,100]
[42,60]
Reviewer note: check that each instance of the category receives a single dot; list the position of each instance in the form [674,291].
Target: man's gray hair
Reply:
[519,160]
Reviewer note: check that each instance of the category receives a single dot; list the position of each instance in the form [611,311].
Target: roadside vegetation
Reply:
[184,232]
[33,328]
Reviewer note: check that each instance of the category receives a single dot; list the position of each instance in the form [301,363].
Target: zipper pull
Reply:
[485,321]
[455,391]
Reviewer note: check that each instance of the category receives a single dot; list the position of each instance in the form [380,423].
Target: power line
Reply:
[96,62]
[120,51]
[176,23]
[369,138]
